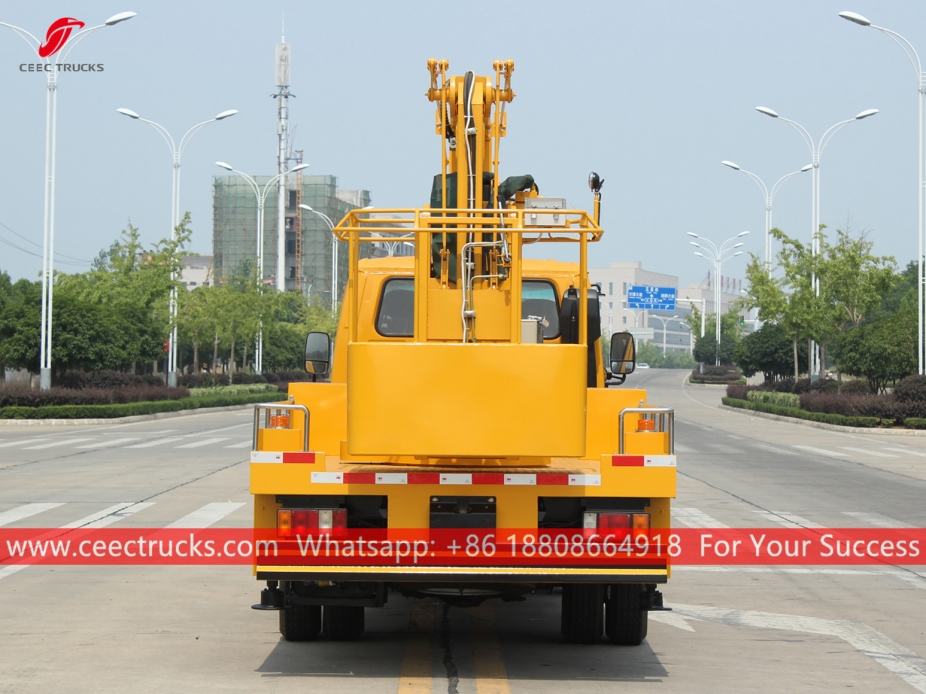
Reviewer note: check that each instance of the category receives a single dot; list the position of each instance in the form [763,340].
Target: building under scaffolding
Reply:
[309,242]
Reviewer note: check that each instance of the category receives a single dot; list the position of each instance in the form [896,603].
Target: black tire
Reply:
[582,613]
[300,622]
[625,617]
[343,623]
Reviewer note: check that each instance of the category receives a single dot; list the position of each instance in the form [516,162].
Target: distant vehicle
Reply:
[643,365]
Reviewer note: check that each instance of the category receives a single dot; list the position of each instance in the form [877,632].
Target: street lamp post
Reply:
[176,152]
[334,255]
[769,201]
[914,58]
[45,53]
[665,323]
[816,151]
[259,232]
[717,256]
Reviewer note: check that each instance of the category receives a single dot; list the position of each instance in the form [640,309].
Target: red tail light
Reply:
[304,521]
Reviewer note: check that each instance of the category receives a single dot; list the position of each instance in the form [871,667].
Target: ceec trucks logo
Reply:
[58,34]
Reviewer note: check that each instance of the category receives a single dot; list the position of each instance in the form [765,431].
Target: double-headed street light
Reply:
[717,256]
[665,323]
[769,201]
[334,255]
[176,152]
[261,200]
[51,55]
[914,58]
[816,151]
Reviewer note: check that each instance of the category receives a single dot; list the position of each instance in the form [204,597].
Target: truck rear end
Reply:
[465,444]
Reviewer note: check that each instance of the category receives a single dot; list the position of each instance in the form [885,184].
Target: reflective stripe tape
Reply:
[476,478]
[282,457]
[643,460]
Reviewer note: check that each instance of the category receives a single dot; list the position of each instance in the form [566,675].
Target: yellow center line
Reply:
[415,672]
[491,676]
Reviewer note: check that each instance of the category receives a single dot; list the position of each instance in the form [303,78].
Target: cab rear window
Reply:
[396,313]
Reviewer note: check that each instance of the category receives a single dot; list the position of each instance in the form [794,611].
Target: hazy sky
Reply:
[651,95]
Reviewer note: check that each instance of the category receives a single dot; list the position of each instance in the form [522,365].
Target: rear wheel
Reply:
[626,616]
[343,623]
[300,622]
[582,614]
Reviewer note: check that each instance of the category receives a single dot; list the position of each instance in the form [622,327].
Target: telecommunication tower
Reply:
[282,97]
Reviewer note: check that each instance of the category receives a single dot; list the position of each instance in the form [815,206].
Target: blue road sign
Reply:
[651,298]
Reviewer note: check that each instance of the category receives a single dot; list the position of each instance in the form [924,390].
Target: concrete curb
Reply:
[824,425]
[120,420]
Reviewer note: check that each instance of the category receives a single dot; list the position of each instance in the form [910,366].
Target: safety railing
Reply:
[663,422]
[268,409]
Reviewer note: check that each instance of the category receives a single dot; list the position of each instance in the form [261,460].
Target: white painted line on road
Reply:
[672,619]
[907,451]
[682,448]
[10,570]
[108,516]
[62,442]
[822,451]
[21,443]
[876,519]
[738,438]
[788,520]
[901,661]
[157,442]
[216,431]
[771,449]
[693,518]
[207,515]
[205,442]
[114,442]
[867,452]
[25,511]
[244,444]
[723,448]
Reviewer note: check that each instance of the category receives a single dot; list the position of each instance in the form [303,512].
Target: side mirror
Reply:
[623,360]
[317,353]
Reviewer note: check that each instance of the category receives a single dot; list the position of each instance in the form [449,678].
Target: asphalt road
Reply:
[764,629]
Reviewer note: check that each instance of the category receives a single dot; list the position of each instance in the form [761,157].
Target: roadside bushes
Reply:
[21,396]
[774,398]
[105,379]
[854,421]
[719,375]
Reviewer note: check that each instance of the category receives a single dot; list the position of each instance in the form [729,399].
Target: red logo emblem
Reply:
[58,34]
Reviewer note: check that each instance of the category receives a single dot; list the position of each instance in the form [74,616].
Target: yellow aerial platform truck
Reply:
[460,440]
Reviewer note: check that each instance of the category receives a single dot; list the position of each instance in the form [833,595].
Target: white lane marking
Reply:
[901,661]
[914,579]
[771,449]
[823,451]
[788,520]
[723,448]
[244,444]
[207,515]
[682,448]
[670,618]
[738,438]
[157,442]
[876,519]
[114,442]
[25,511]
[867,452]
[12,569]
[62,442]
[907,451]
[108,516]
[693,518]
[205,442]
[21,443]
[216,431]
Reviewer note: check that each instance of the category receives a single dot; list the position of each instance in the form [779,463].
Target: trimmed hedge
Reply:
[773,398]
[915,422]
[838,419]
[129,409]
[230,390]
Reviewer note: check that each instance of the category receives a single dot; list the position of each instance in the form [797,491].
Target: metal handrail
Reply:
[278,406]
[666,424]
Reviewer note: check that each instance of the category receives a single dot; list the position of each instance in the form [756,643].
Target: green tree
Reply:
[769,351]
[20,320]
[706,348]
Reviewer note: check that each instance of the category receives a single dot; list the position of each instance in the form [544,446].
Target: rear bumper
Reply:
[466,574]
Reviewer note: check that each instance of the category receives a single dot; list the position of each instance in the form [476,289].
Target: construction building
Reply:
[309,241]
